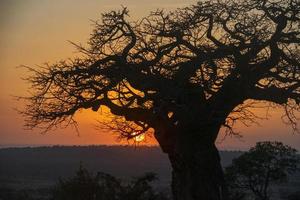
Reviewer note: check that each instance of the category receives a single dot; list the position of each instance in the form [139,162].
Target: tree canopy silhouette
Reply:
[263,165]
[183,74]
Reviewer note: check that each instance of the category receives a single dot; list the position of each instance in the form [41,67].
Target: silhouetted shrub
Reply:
[85,186]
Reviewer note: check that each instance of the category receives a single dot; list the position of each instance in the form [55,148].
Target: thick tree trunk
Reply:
[197,174]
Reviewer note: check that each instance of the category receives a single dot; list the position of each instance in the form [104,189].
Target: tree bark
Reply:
[197,172]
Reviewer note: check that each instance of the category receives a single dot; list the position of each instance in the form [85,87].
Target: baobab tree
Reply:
[183,74]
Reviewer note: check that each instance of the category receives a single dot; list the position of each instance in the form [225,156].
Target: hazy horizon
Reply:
[7,146]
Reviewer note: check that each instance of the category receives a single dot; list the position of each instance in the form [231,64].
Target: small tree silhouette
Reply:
[103,186]
[265,164]
[82,186]
[184,75]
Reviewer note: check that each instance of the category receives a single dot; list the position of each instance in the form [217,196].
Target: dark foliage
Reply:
[85,186]
[265,164]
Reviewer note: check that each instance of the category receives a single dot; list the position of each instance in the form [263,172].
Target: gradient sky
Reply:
[33,32]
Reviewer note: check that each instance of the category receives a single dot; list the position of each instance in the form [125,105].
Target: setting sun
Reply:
[138,138]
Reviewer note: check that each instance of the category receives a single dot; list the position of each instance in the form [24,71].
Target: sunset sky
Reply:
[33,32]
